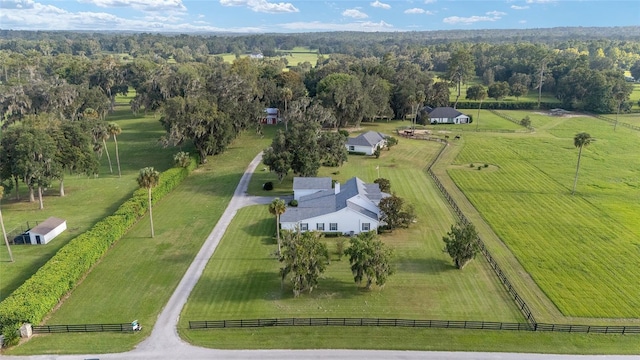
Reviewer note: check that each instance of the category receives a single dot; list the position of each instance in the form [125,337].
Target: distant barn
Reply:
[46,230]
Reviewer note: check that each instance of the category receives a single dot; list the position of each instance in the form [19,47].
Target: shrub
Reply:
[486,165]
[268,186]
[293,203]
[377,152]
[37,296]
[479,167]
[344,133]
[357,153]
[471,165]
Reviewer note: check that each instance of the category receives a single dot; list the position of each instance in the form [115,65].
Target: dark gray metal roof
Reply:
[308,183]
[327,201]
[370,138]
[444,112]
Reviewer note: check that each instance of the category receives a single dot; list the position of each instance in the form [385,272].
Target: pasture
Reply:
[87,199]
[580,250]
[242,282]
[294,57]
[242,279]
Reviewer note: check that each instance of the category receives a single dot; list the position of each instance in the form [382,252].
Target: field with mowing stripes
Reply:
[241,281]
[582,250]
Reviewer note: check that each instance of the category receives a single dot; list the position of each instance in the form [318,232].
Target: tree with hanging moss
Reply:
[461,243]
[370,258]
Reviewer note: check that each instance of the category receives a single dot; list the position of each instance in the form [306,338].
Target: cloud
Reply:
[38,16]
[354,13]
[262,6]
[540,1]
[497,14]
[364,26]
[522,21]
[16,4]
[418,11]
[493,16]
[429,1]
[516,7]
[142,5]
[381,5]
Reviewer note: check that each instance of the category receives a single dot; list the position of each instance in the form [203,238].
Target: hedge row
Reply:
[37,296]
[510,105]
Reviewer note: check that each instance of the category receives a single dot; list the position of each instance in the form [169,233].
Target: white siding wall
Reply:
[358,148]
[347,220]
[45,238]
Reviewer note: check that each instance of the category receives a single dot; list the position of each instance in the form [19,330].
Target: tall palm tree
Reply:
[148,179]
[478,93]
[4,232]
[114,129]
[277,208]
[580,140]
[287,95]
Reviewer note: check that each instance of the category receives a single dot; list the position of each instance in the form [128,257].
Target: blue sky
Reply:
[311,15]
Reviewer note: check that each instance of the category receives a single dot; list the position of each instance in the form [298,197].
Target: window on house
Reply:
[304,227]
[366,226]
[320,226]
[333,226]
[352,148]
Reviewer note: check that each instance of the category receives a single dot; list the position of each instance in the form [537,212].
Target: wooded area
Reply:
[57,87]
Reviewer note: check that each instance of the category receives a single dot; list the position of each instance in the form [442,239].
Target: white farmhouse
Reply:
[446,115]
[348,209]
[47,230]
[367,142]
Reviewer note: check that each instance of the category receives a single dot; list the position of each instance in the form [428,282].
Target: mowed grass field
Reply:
[87,199]
[241,281]
[581,250]
[138,275]
[296,56]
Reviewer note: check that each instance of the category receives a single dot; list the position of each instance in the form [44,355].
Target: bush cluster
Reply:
[508,105]
[37,296]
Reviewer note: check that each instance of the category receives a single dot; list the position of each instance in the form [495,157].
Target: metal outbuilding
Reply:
[47,230]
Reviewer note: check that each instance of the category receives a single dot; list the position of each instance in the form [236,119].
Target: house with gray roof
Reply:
[445,115]
[366,142]
[350,208]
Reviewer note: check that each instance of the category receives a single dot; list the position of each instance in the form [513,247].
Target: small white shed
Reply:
[47,230]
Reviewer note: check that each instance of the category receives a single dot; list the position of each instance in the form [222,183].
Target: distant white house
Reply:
[366,142]
[271,116]
[445,115]
[351,208]
[47,230]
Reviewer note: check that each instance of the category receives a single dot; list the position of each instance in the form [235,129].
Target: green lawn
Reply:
[387,338]
[241,281]
[294,57]
[87,200]
[579,249]
[137,276]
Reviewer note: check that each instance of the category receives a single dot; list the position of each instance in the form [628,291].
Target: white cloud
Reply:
[522,21]
[262,6]
[16,4]
[497,14]
[418,11]
[381,5]
[354,13]
[142,5]
[540,1]
[364,26]
[493,16]
[516,7]
[38,16]
[429,1]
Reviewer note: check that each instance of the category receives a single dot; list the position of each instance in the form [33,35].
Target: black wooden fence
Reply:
[440,324]
[48,329]
[522,305]
[617,123]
